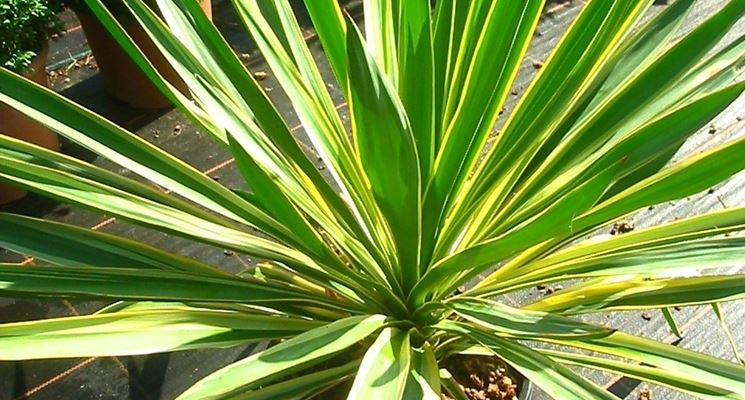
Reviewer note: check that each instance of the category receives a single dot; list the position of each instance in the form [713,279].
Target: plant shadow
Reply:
[146,381]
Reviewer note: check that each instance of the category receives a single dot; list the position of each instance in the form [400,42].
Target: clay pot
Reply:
[17,125]
[122,78]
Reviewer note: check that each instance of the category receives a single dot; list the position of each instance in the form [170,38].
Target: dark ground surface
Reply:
[165,376]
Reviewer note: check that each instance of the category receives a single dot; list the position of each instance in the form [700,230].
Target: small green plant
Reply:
[360,273]
[24,27]
[116,7]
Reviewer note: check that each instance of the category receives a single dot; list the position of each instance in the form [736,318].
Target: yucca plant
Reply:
[361,268]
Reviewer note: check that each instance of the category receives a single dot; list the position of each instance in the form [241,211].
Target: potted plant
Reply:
[121,77]
[25,27]
[367,285]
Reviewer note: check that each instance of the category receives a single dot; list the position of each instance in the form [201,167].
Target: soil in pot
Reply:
[17,125]
[122,78]
[486,378]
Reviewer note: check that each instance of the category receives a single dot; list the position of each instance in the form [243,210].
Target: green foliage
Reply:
[359,272]
[24,27]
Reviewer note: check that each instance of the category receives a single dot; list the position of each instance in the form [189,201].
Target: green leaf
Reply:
[145,332]
[385,367]
[380,36]
[553,378]
[483,81]
[451,386]
[641,149]
[507,320]
[18,149]
[687,177]
[653,262]
[329,24]
[321,121]
[556,219]
[448,28]
[416,78]
[129,151]
[614,294]
[179,99]
[300,352]
[147,284]
[716,76]
[217,94]
[671,323]
[379,117]
[720,374]
[259,108]
[304,386]
[686,383]
[643,46]
[296,190]
[628,101]
[723,375]
[270,198]
[423,381]
[279,15]
[554,100]
[701,226]
[83,192]
[722,321]
[68,245]
[297,177]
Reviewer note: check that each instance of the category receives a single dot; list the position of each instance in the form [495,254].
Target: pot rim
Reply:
[526,391]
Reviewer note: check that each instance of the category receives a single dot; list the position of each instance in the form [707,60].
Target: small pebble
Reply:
[621,227]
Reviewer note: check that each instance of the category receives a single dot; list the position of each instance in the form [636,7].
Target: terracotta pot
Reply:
[17,125]
[122,78]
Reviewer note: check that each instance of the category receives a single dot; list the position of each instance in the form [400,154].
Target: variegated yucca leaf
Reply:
[359,271]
